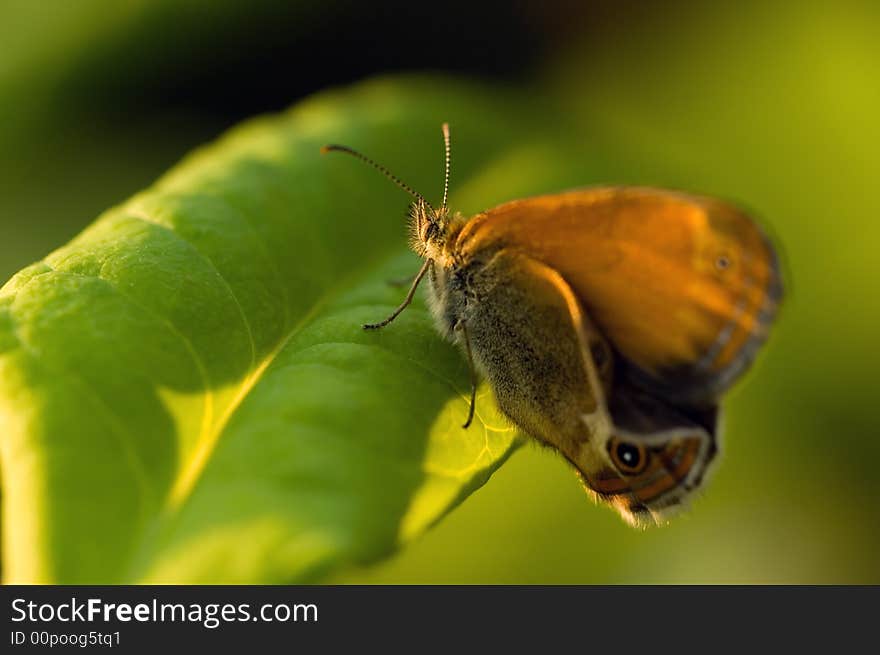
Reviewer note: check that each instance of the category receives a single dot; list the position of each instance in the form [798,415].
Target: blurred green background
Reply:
[775,105]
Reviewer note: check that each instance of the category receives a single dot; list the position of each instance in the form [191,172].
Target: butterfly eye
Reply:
[628,457]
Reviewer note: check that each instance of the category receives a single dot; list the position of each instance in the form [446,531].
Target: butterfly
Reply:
[608,321]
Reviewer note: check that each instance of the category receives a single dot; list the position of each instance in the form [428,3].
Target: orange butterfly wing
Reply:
[685,287]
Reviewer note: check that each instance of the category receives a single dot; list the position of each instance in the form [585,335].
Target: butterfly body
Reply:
[608,322]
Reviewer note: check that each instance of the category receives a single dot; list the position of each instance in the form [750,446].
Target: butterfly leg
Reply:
[467,347]
[406,301]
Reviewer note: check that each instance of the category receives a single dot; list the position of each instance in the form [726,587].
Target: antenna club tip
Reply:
[325,149]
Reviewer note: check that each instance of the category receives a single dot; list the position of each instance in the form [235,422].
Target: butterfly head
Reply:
[432,231]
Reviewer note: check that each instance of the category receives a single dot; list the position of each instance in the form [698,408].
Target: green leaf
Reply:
[186,394]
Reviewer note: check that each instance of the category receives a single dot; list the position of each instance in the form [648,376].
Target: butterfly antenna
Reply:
[445,129]
[391,176]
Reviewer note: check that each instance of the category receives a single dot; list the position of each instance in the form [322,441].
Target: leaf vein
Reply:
[123,436]
[140,214]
